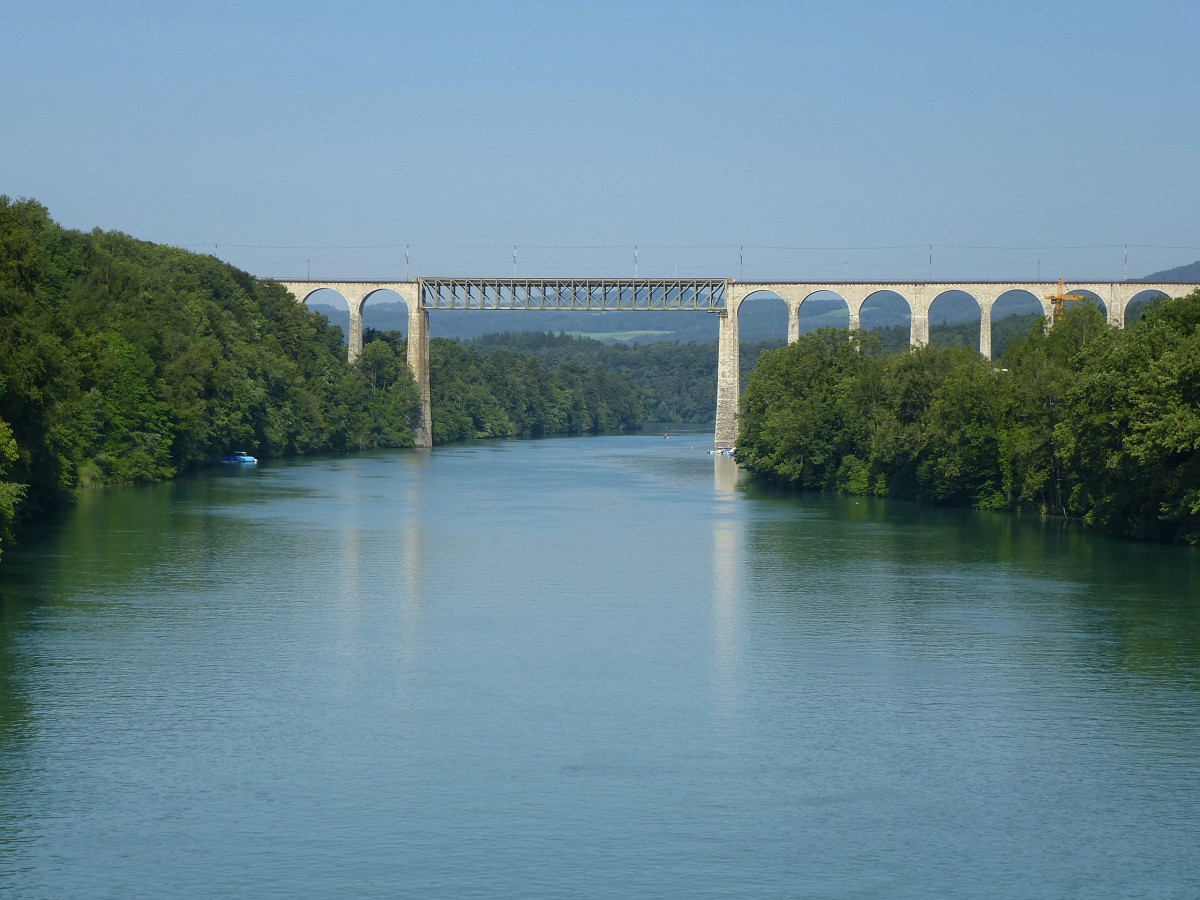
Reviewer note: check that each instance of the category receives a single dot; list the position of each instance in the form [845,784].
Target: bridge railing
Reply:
[572,294]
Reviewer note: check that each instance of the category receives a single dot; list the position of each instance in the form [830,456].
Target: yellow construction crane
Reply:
[1059,301]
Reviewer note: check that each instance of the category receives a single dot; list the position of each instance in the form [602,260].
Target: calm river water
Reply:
[601,667]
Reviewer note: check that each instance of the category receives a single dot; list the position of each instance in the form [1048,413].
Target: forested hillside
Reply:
[1189,272]
[678,380]
[1084,421]
[503,393]
[126,361]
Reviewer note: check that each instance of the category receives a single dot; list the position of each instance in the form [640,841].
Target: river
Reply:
[590,667]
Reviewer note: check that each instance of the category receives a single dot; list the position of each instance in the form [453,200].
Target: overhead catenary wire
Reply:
[748,261]
[783,247]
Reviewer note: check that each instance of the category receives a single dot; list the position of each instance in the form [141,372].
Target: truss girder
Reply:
[576,294]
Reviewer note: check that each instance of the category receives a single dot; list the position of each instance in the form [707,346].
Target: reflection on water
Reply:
[1141,599]
[727,555]
[603,667]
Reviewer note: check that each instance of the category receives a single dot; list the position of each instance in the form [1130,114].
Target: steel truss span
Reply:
[579,294]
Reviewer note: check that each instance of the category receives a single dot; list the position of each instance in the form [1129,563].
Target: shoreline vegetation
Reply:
[124,361]
[1081,420]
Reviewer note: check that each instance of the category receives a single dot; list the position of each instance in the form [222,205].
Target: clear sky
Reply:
[828,140]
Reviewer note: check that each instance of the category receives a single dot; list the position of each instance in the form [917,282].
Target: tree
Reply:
[798,421]
[1080,420]
[122,360]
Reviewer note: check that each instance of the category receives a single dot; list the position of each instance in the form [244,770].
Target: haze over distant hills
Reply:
[1190,272]
[758,321]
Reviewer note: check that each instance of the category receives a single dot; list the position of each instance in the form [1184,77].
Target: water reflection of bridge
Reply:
[719,296]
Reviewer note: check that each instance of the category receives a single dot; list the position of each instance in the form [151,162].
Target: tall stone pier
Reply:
[728,379]
[418,361]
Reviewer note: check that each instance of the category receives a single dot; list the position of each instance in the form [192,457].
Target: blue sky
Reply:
[826,140]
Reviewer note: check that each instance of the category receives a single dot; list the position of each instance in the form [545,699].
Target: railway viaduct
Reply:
[719,296]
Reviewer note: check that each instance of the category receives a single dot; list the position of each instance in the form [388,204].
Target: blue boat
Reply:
[239,458]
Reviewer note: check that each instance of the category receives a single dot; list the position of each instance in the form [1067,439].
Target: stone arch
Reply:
[823,309]
[325,296]
[333,305]
[1089,296]
[764,315]
[1139,303]
[1014,313]
[956,317]
[389,319]
[878,313]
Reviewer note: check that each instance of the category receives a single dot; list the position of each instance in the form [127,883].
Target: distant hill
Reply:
[757,321]
[1190,272]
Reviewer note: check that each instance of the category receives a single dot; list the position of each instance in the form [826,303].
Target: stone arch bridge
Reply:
[720,296]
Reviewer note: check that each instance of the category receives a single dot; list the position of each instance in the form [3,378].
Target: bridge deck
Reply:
[574,293]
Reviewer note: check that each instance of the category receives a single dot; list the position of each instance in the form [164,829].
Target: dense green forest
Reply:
[496,391]
[894,338]
[1082,420]
[126,361]
[678,380]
